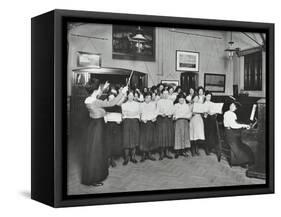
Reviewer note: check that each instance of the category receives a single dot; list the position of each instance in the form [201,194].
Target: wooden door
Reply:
[189,80]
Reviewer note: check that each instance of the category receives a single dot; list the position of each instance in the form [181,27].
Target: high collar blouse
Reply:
[96,106]
[165,107]
[182,111]
[148,111]
[131,109]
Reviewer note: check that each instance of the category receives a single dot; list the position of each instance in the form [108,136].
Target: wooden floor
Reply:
[191,172]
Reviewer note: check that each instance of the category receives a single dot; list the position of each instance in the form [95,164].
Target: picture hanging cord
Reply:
[194,34]
[92,37]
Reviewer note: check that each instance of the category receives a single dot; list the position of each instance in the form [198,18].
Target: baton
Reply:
[130,78]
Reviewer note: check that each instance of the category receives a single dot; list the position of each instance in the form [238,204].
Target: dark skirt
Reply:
[113,139]
[211,131]
[147,136]
[131,133]
[165,132]
[95,162]
[240,153]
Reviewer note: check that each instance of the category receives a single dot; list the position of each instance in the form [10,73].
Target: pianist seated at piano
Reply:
[241,154]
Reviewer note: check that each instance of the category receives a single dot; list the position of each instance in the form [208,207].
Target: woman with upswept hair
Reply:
[182,115]
[240,153]
[95,158]
[131,117]
[197,135]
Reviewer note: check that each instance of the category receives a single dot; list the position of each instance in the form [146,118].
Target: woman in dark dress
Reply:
[241,154]
[148,114]
[131,117]
[95,161]
[165,125]
[113,138]
[210,127]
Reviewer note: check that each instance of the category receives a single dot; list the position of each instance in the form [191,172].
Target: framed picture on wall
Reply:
[170,82]
[86,59]
[133,42]
[187,61]
[79,154]
[214,82]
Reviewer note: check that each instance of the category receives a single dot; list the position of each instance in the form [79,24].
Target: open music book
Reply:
[213,108]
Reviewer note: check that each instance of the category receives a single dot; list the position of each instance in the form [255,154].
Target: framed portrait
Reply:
[187,61]
[170,82]
[86,59]
[133,42]
[214,82]
[87,148]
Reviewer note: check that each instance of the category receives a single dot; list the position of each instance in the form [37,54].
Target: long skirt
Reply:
[114,139]
[197,128]
[182,139]
[147,136]
[131,133]
[95,162]
[240,153]
[165,132]
[211,131]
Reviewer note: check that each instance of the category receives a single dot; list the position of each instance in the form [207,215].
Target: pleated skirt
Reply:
[182,138]
[197,128]
[131,133]
[240,152]
[147,136]
[95,161]
[114,139]
[165,132]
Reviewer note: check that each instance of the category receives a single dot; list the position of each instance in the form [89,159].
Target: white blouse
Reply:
[165,107]
[172,97]
[229,120]
[189,98]
[208,105]
[201,99]
[148,111]
[131,110]
[113,117]
[182,111]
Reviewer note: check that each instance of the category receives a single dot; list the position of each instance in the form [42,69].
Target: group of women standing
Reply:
[156,120]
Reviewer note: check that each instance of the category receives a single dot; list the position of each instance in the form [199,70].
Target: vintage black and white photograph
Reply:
[161,108]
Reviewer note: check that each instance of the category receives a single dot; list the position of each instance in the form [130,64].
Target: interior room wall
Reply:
[244,42]
[213,58]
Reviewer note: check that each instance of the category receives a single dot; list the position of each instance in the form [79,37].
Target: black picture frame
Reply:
[90,59]
[49,111]
[171,82]
[124,47]
[214,82]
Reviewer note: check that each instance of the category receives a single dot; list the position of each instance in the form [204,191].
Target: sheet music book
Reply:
[215,108]
[200,108]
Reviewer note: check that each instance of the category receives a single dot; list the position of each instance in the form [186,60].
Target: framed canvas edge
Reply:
[60,88]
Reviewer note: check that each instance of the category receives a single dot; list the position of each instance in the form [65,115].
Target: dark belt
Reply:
[229,128]
[182,119]
[148,121]
[160,116]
